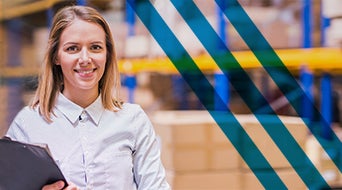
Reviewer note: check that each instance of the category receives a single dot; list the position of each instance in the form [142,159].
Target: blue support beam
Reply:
[221,81]
[130,17]
[49,15]
[222,89]
[130,80]
[307,24]
[131,83]
[81,2]
[221,25]
[14,29]
[179,92]
[325,23]
[326,106]
[307,80]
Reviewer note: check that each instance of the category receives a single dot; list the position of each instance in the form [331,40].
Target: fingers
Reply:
[71,187]
[59,186]
[55,186]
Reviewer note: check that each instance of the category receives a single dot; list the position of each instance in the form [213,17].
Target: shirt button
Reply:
[83,117]
[88,171]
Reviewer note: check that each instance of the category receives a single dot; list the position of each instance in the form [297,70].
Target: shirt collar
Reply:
[72,111]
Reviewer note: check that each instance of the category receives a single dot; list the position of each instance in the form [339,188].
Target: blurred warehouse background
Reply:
[306,34]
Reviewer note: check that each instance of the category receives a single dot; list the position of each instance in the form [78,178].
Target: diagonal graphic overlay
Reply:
[272,64]
[184,64]
[277,130]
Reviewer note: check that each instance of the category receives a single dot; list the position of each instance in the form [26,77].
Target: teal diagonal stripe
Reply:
[273,64]
[275,128]
[185,65]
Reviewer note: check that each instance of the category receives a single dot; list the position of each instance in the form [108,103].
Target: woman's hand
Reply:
[59,186]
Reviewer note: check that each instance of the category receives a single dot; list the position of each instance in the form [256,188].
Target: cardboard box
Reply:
[230,179]
[322,160]
[3,110]
[210,180]
[266,145]
[288,176]
[192,141]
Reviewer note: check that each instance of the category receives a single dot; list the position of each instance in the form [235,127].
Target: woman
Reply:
[97,141]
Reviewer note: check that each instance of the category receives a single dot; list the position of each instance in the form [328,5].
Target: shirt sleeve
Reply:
[148,169]
[15,131]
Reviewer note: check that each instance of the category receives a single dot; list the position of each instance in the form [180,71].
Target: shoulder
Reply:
[28,116]
[130,108]
[27,112]
[133,111]
[128,111]
[22,123]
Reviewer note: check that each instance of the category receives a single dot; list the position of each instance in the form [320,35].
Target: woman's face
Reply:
[82,57]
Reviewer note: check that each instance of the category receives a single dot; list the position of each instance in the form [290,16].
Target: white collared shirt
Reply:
[96,148]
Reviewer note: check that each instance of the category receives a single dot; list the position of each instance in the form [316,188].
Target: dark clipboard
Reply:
[26,166]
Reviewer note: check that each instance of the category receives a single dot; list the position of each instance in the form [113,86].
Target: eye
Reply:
[72,49]
[96,47]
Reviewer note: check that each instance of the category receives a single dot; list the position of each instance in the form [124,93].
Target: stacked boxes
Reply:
[3,110]
[197,154]
[322,160]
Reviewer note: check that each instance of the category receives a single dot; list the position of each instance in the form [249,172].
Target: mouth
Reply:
[85,72]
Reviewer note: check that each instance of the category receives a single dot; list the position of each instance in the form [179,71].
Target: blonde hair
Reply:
[51,77]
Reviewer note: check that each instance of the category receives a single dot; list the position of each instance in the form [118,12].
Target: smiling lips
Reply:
[85,72]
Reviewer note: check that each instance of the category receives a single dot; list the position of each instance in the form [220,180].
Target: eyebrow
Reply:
[69,43]
[76,43]
[98,42]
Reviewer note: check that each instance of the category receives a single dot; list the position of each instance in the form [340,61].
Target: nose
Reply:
[84,57]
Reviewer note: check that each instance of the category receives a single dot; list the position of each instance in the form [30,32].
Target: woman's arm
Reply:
[149,171]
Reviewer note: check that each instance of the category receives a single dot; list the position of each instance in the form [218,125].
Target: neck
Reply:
[82,98]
